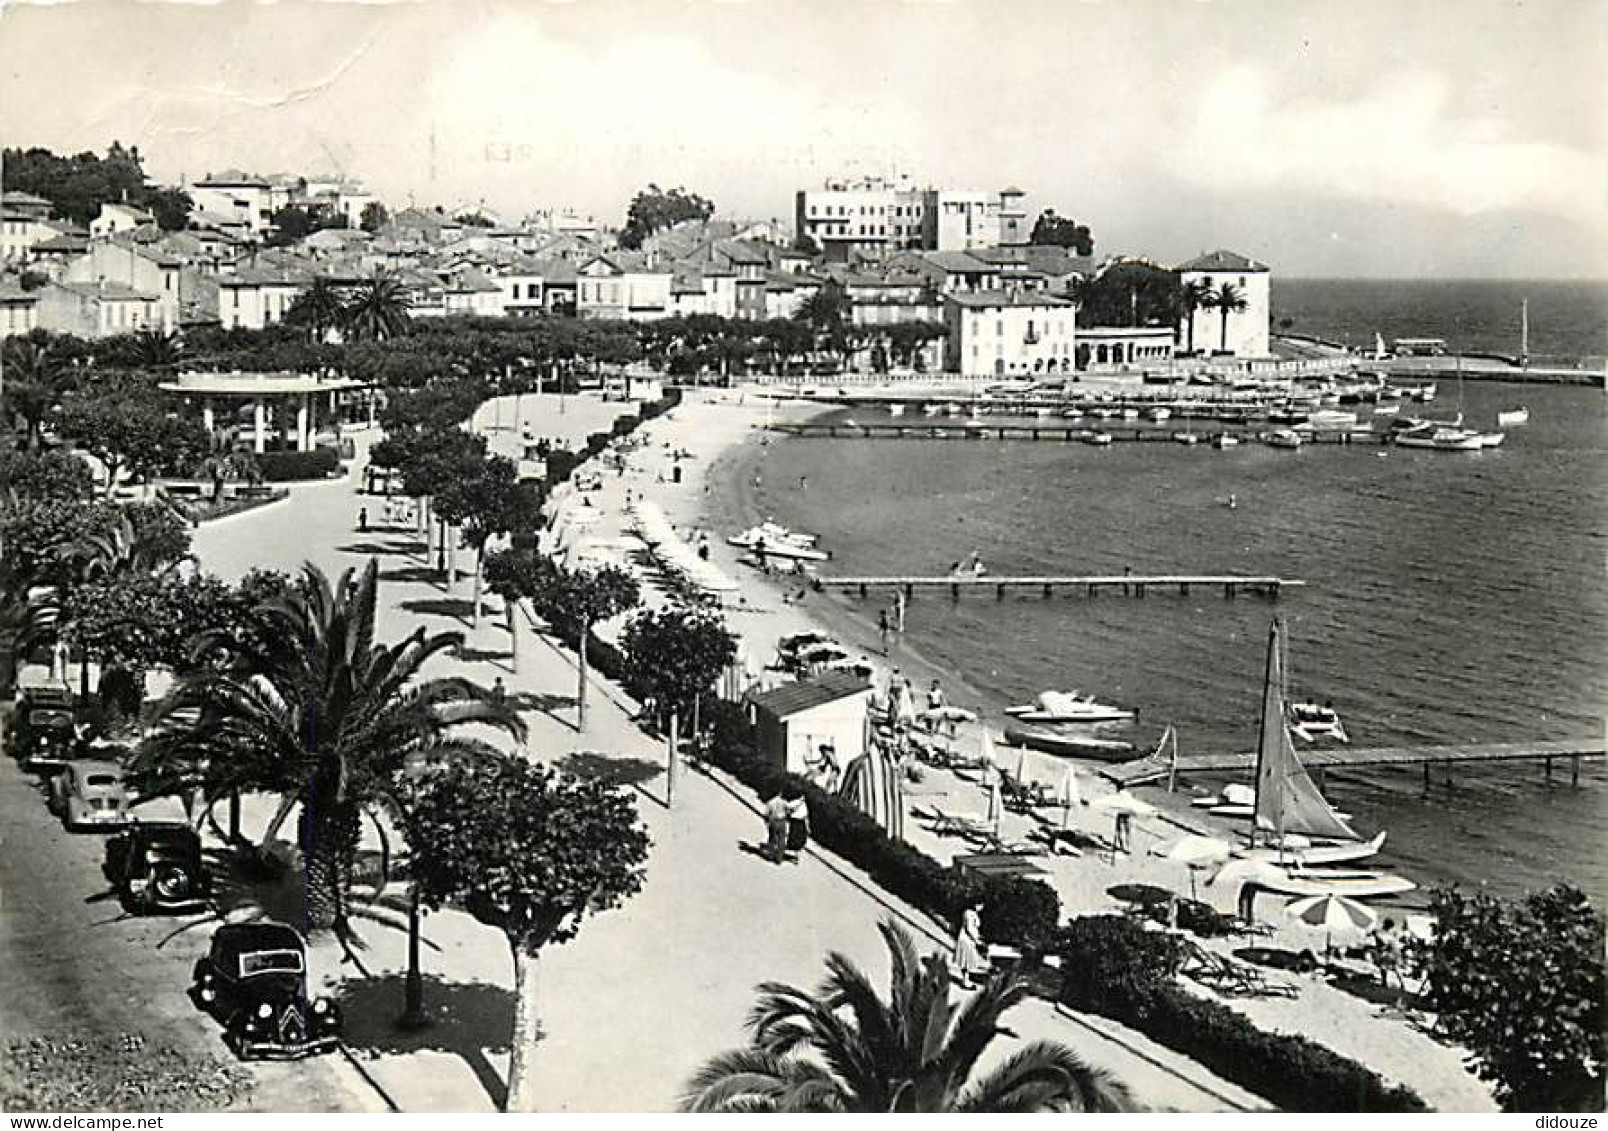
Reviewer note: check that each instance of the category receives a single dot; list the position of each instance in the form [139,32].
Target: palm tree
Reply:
[323,716]
[377,310]
[151,349]
[1192,296]
[1228,299]
[36,379]
[319,307]
[913,1052]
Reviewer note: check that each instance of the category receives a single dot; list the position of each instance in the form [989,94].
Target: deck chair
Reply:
[1225,976]
[968,826]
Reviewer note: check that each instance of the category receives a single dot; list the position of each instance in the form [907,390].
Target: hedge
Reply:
[1020,913]
[561,464]
[1112,966]
[284,467]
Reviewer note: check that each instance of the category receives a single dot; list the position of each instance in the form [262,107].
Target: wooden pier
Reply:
[1318,759]
[1128,585]
[1064,432]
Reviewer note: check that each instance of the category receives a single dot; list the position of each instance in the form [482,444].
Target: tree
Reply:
[77,186]
[150,349]
[489,502]
[1226,300]
[1058,231]
[570,601]
[170,206]
[317,712]
[37,377]
[531,853]
[1194,295]
[1129,293]
[290,223]
[131,429]
[845,1048]
[321,308]
[1521,985]
[46,475]
[377,310]
[828,312]
[374,217]
[473,218]
[653,210]
[674,654]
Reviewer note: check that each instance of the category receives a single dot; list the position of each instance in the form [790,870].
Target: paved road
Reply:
[72,965]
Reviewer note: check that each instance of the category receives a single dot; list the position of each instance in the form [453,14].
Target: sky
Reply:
[1356,138]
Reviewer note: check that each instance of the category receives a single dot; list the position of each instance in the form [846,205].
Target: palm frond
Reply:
[1046,1076]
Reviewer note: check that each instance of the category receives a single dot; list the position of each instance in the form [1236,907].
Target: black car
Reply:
[254,982]
[44,737]
[158,867]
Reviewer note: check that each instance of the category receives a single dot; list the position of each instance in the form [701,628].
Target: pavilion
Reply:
[268,392]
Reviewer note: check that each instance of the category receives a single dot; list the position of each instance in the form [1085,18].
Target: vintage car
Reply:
[43,736]
[254,982]
[89,794]
[157,866]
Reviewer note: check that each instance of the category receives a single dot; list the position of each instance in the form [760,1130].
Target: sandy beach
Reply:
[710,437]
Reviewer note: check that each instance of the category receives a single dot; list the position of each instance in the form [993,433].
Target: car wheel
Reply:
[171,883]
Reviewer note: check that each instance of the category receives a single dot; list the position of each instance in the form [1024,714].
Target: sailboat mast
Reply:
[1261,726]
[1524,333]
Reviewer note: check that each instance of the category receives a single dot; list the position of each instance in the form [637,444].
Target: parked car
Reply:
[89,794]
[157,867]
[253,981]
[43,737]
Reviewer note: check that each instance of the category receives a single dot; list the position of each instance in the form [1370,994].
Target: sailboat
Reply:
[1288,805]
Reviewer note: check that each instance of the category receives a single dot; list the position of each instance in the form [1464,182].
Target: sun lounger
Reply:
[1225,976]
[970,826]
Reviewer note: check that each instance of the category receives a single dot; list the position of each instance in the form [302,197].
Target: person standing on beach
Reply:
[776,828]
[969,960]
[798,824]
[1124,832]
[883,629]
[362,519]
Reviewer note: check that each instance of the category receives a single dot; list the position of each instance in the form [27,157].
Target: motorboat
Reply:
[1188,439]
[1098,439]
[896,410]
[1160,414]
[1492,439]
[1329,420]
[1423,394]
[1065,744]
[954,409]
[1067,707]
[1312,721]
[1130,414]
[772,541]
[1072,414]
[1442,438]
[931,409]
[1225,440]
[1386,409]
[1282,438]
[1512,418]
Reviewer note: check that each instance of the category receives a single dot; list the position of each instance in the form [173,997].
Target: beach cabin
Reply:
[794,721]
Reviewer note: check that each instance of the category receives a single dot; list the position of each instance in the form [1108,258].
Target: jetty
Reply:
[1155,768]
[1091,585]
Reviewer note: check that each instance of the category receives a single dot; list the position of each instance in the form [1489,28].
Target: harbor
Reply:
[1127,584]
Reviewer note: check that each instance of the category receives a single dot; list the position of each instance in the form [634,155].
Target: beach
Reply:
[710,435]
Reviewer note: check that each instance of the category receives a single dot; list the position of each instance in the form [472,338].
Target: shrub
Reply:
[1521,984]
[286,467]
[1020,913]
[1115,968]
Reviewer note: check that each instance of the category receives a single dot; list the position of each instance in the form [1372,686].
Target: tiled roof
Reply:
[469,281]
[999,298]
[231,178]
[791,698]
[106,290]
[1221,260]
[18,197]
[63,241]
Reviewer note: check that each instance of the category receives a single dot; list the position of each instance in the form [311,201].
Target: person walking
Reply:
[798,824]
[883,628]
[362,519]
[1124,832]
[776,828]
[969,960]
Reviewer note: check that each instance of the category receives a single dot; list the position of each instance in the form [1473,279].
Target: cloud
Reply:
[1397,142]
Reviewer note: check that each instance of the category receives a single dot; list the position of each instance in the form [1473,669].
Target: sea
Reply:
[1449,597]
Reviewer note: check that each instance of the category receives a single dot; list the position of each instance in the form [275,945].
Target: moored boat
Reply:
[1067,707]
[1282,438]
[1065,744]
[1512,418]
[1188,439]
[1312,721]
[1098,439]
[1441,439]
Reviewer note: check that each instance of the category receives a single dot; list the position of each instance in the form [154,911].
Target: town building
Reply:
[622,285]
[253,297]
[96,309]
[115,218]
[19,310]
[1246,332]
[137,266]
[245,201]
[25,223]
[1009,332]
[875,216]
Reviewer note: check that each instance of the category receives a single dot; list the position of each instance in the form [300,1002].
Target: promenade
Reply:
[645,994]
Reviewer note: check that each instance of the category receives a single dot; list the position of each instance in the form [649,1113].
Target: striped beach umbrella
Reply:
[1331,913]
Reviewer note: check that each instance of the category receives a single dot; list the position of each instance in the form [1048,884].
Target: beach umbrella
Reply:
[1124,802]
[904,706]
[1331,913]
[987,754]
[1071,795]
[1195,853]
[947,714]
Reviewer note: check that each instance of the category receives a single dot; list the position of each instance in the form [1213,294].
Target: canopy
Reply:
[871,784]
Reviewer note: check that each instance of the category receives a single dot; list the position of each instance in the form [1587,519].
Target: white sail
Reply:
[1287,800]
[1379,347]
